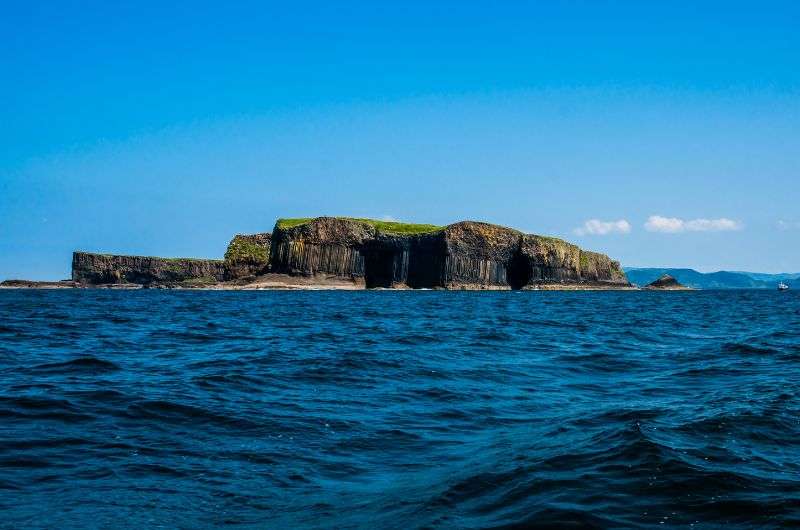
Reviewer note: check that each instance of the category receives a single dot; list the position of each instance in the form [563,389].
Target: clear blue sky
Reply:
[151,129]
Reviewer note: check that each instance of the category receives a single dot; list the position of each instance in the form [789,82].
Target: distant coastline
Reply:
[712,280]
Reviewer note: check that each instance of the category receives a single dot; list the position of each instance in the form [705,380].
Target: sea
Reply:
[399,409]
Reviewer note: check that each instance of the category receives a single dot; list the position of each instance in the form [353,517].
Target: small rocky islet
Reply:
[348,253]
[667,282]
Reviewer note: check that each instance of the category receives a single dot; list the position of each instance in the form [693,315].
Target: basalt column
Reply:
[324,245]
[386,260]
[478,254]
[551,260]
[95,269]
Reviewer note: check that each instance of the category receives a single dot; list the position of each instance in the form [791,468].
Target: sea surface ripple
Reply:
[122,409]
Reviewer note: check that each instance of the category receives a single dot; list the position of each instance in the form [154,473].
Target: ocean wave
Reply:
[399,409]
[90,365]
[744,348]
[173,412]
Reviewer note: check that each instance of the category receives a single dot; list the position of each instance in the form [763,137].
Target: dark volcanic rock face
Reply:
[247,255]
[323,245]
[328,231]
[478,253]
[462,255]
[550,260]
[386,260]
[96,269]
[596,267]
[32,284]
[427,257]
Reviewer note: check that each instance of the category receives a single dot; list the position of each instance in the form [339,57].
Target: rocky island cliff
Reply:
[98,269]
[362,253]
[464,255]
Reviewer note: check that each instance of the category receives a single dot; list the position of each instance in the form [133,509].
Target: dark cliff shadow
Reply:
[518,271]
[379,268]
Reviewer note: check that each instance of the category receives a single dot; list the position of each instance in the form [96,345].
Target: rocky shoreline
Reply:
[351,254]
[285,282]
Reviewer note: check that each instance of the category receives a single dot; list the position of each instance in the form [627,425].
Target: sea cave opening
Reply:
[378,268]
[518,272]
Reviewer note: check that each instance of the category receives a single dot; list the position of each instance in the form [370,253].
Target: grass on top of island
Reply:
[394,227]
[171,260]
[242,248]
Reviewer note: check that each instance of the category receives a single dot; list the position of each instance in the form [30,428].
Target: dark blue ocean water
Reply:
[386,409]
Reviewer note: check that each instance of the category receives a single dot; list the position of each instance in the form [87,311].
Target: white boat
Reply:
[782,286]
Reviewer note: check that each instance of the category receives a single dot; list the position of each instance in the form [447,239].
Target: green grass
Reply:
[243,249]
[289,223]
[175,260]
[393,227]
[551,239]
[171,260]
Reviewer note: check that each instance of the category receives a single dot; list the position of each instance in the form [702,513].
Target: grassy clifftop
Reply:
[393,227]
[157,258]
[247,247]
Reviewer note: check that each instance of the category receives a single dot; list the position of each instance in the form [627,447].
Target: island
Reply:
[667,283]
[351,253]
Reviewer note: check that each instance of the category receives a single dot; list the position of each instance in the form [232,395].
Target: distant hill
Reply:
[772,277]
[712,280]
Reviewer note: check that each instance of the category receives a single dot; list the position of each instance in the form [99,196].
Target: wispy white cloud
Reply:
[674,225]
[788,225]
[596,227]
[388,218]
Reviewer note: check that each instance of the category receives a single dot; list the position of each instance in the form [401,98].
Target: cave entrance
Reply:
[518,272]
[379,268]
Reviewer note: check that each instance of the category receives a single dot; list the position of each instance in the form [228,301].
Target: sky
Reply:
[665,134]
